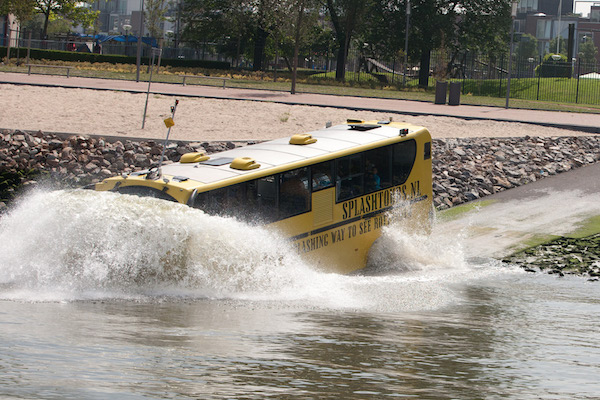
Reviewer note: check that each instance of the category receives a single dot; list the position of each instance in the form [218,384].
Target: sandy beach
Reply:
[111,113]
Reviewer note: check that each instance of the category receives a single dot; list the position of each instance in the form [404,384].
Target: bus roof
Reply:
[276,155]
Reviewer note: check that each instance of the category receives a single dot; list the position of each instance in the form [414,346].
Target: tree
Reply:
[268,15]
[527,47]
[73,10]
[480,26]
[458,27]
[240,22]
[382,32]
[155,11]
[227,22]
[237,23]
[345,17]
[427,32]
[588,52]
[563,46]
[295,17]
[22,9]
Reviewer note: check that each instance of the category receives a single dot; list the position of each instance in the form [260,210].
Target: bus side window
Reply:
[403,160]
[378,165]
[322,176]
[216,201]
[237,202]
[294,193]
[266,198]
[349,179]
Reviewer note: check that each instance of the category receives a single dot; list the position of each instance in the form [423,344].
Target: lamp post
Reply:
[178,24]
[510,53]
[558,28]
[138,61]
[127,28]
[406,41]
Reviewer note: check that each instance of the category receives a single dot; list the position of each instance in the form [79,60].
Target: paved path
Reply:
[576,121]
[538,212]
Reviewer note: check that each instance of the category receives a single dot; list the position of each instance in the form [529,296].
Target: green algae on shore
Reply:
[565,255]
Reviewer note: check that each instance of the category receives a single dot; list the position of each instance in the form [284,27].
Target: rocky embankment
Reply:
[29,158]
[464,169]
[470,168]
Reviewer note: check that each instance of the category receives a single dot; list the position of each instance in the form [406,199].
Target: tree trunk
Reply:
[424,68]
[340,68]
[297,46]
[46,19]
[260,39]
[237,51]
[288,63]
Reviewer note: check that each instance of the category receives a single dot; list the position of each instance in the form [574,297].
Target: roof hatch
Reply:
[363,127]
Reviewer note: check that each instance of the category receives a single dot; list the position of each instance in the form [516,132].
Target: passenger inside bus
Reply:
[373,181]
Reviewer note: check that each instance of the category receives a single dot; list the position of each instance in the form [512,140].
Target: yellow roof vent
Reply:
[302,138]
[193,157]
[244,163]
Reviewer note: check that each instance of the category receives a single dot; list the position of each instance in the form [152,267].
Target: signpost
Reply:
[406,42]
[155,52]
[512,34]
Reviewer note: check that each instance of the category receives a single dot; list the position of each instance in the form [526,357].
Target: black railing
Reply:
[575,82]
[531,78]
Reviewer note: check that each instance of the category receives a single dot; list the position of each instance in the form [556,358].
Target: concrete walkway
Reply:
[575,121]
[559,205]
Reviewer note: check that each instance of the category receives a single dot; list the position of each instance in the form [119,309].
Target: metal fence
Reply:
[568,82]
[578,82]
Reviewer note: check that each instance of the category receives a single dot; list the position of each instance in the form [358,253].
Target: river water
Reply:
[108,296]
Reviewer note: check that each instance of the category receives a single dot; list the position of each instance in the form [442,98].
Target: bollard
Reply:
[440,92]
[454,96]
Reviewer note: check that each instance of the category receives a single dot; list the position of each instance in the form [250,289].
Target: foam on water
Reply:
[80,245]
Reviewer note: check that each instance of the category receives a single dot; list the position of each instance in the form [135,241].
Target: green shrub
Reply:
[57,55]
[550,68]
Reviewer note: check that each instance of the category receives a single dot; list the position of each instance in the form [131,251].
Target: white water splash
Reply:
[78,245]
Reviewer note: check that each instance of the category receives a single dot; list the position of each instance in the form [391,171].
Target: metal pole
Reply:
[28,47]
[9,39]
[138,61]
[162,155]
[578,73]
[406,41]
[558,28]
[160,48]
[512,34]
[148,92]
[178,22]
[537,97]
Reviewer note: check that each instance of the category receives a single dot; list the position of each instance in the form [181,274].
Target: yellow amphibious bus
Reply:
[330,191]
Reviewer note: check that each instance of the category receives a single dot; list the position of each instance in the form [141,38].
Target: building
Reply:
[8,22]
[589,29]
[117,15]
[549,7]
[543,20]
